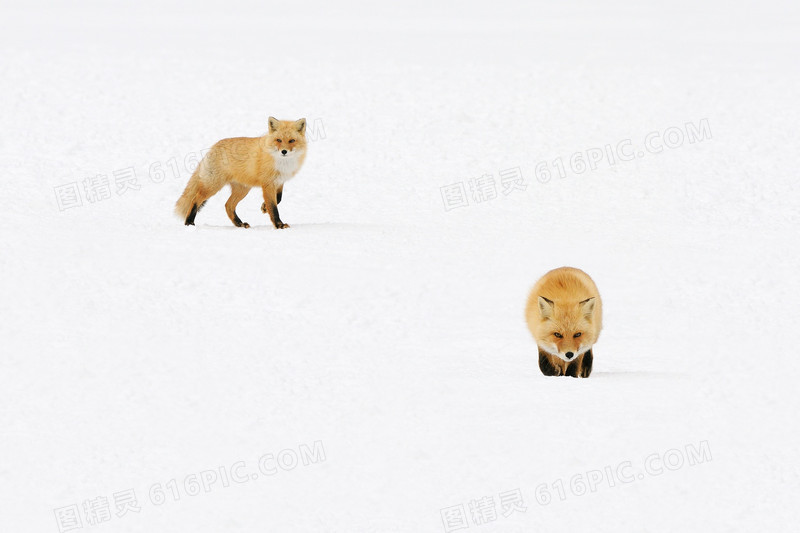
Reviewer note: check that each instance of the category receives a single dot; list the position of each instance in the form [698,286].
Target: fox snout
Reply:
[284,152]
[569,354]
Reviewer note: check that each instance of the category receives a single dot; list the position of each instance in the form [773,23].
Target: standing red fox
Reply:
[565,316]
[245,162]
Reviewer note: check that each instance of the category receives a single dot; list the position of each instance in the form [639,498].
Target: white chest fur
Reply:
[286,167]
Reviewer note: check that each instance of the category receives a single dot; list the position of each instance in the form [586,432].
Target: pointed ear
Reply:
[300,125]
[587,306]
[273,124]
[545,307]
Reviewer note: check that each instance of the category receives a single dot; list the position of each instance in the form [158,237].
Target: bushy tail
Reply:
[187,200]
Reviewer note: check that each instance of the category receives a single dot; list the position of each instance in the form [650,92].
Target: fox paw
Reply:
[281,225]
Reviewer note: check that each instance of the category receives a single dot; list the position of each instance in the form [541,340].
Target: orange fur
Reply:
[244,163]
[564,303]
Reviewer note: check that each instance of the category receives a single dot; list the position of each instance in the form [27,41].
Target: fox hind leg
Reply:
[204,192]
[193,213]
[190,217]
[238,192]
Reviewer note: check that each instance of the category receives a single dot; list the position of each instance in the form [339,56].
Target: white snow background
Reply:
[386,327]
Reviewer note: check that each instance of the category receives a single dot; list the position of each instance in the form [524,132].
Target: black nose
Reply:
[569,355]
[283,152]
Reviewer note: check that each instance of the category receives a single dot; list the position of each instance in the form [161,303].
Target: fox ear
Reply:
[300,125]
[587,306]
[545,307]
[273,124]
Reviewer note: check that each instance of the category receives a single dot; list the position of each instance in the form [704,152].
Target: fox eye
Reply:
[576,335]
[290,142]
[280,141]
[558,335]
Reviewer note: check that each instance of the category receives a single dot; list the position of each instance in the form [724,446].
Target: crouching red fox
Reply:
[564,314]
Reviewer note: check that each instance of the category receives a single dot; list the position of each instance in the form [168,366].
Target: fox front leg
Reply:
[586,364]
[279,195]
[580,368]
[547,368]
[270,206]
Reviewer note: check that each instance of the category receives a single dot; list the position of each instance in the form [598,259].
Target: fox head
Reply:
[566,329]
[286,138]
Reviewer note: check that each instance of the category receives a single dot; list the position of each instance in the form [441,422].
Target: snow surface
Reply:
[382,325]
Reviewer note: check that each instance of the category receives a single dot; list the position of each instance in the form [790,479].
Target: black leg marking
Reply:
[238,222]
[280,194]
[586,364]
[572,370]
[546,367]
[192,214]
[276,218]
